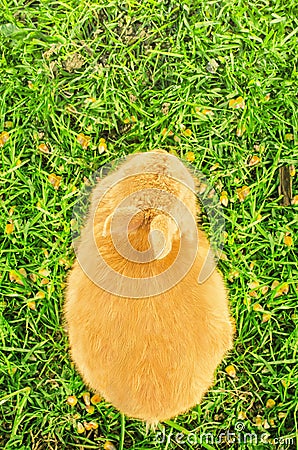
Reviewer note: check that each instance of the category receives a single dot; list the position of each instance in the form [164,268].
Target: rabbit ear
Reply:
[163,231]
[127,218]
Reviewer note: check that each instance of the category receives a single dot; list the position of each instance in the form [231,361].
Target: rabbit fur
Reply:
[152,357]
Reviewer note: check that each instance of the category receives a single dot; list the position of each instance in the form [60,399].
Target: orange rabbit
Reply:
[143,332]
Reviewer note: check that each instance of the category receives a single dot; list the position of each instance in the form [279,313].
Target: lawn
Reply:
[84,83]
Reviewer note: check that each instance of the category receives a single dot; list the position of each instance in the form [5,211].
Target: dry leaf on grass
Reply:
[237,103]
[231,371]
[55,180]
[4,136]
[243,192]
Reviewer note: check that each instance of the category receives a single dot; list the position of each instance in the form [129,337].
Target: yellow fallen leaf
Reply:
[4,136]
[133,119]
[187,132]
[294,200]
[282,288]
[225,235]
[237,103]
[247,301]
[30,85]
[253,284]
[264,290]
[282,415]
[102,147]
[83,140]
[288,240]
[289,137]
[87,426]
[177,138]
[207,112]
[270,403]
[72,400]
[86,398]
[164,131]
[254,160]
[40,294]
[43,148]
[242,415]
[8,124]
[231,371]
[257,307]
[45,252]
[95,399]
[258,421]
[44,281]
[266,317]
[31,305]
[266,98]
[9,228]
[109,446]
[190,156]
[80,428]
[44,272]
[233,274]
[33,277]
[240,130]
[292,170]
[90,409]
[90,100]
[259,147]
[94,425]
[14,276]
[23,272]
[284,383]
[253,294]
[65,262]
[55,180]
[126,120]
[243,193]
[274,284]
[214,167]
[224,198]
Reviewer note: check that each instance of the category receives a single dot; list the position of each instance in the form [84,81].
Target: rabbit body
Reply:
[151,357]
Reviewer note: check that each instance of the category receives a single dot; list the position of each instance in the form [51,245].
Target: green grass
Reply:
[148,60]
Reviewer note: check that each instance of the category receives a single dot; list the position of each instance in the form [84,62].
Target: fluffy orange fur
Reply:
[151,357]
